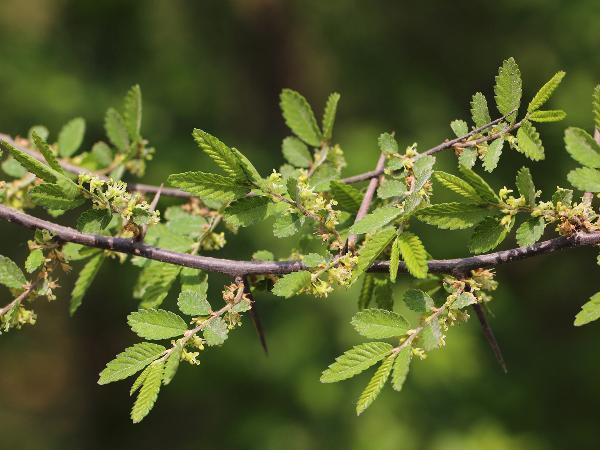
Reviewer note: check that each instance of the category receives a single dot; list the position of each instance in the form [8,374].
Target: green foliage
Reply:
[458,186]
[130,361]
[291,284]
[43,147]
[356,360]
[379,324]
[30,163]
[248,211]
[172,363]
[453,216]
[391,188]
[487,235]
[216,331]
[93,220]
[418,301]
[148,392]
[71,137]
[479,110]
[34,260]
[192,299]
[209,185]
[394,260]
[10,274]
[296,152]
[596,106]
[156,324]
[492,155]
[52,196]
[299,117]
[329,115]
[366,291]
[508,89]
[545,92]
[529,142]
[132,112]
[524,182]
[530,231]
[116,129]
[347,197]
[582,147]
[401,367]
[387,143]
[554,115]
[223,156]
[375,220]
[468,157]
[483,189]
[376,384]
[589,311]
[460,127]
[585,179]
[414,254]
[84,281]
[371,249]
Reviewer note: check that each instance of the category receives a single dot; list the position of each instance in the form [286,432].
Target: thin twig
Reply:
[142,235]
[489,335]
[255,317]
[22,296]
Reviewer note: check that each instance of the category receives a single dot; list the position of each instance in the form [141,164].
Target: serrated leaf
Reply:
[387,143]
[34,166]
[596,106]
[148,392]
[43,147]
[453,216]
[291,284]
[132,112]
[585,179]
[299,117]
[383,294]
[590,311]
[34,260]
[492,155]
[172,363]
[554,115]
[248,170]
[248,211]
[463,300]
[582,147]
[71,137]
[371,249]
[391,188]
[221,154]
[422,170]
[356,360]
[401,367]
[414,254]
[130,361]
[209,185]
[468,157]
[194,302]
[484,190]
[418,301]
[93,220]
[479,110]
[296,152]
[459,127]
[524,182]
[394,260]
[379,324]
[156,324]
[458,186]
[329,115]
[366,291]
[529,142]
[545,92]
[376,384]
[508,89]
[40,130]
[263,255]
[347,197]
[155,281]
[530,231]
[139,380]
[313,260]
[287,224]
[564,196]
[10,274]
[431,336]
[52,196]
[12,168]
[375,220]
[116,129]
[487,235]
[215,332]
[84,281]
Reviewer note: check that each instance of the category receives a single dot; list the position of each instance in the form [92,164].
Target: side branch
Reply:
[240,268]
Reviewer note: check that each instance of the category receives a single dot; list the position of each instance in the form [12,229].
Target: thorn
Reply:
[256,318]
[489,336]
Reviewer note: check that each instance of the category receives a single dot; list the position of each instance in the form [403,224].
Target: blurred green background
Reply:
[409,67]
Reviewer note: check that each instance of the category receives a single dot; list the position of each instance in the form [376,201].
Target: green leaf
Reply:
[394,260]
[479,110]
[156,324]
[554,115]
[508,89]
[391,188]
[299,117]
[356,360]
[296,152]
[418,301]
[596,106]
[487,235]
[484,190]
[215,332]
[371,249]
[172,363]
[376,384]
[401,367]
[130,361]
[223,156]
[34,166]
[453,216]
[192,299]
[93,220]
[492,155]
[524,182]
[530,231]
[263,255]
[116,129]
[84,281]
[458,186]
[468,157]
[248,211]
[287,224]
[383,294]
[375,220]
[422,170]
[71,137]
[366,291]
[12,168]
[313,260]
[459,127]
[43,147]
[148,392]
[564,196]
[585,179]
[34,260]
[387,143]
[379,324]
[347,197]
[209,185]
[291,284]
[52,196]
[431,336]
[589,311]
[414,254]
[139,380]
[132,112]
[10,275]
[40,130]
[463,300]
[329,115]
[582,147]
[529,142]
[545,92]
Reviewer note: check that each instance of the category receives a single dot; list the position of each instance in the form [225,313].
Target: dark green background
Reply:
[410,67]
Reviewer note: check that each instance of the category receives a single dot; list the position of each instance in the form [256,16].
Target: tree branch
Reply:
[240,268]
